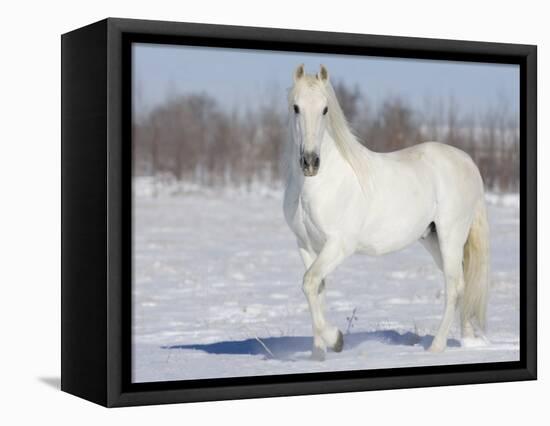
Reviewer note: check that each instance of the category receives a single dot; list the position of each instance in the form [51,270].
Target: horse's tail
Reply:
[476,268]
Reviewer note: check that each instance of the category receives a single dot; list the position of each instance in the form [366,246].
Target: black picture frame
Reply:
[96,212]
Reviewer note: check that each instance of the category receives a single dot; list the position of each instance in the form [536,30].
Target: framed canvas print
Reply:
[253,212]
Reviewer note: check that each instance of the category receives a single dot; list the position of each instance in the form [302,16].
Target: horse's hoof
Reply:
[339,345]
[435,348]
[474,342]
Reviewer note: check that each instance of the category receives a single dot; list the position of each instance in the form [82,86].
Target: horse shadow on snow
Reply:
[285,346]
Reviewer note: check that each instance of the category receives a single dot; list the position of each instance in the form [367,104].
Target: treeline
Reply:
[193,139]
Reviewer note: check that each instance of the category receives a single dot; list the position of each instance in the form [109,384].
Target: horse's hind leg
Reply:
[431,243]
[323,334]
[451,245]
[467,329]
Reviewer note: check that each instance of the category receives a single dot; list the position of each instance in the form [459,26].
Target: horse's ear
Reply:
[299,73]
[323,74]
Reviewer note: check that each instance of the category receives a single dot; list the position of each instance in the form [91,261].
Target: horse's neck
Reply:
[357,157]
[331,158]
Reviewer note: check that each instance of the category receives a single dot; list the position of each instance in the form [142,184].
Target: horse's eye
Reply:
[296,109]
[325,110]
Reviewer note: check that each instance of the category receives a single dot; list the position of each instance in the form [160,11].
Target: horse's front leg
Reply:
[323,334]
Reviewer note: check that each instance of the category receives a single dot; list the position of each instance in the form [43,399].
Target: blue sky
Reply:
[245,78]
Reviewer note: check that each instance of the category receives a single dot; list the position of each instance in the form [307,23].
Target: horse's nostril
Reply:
[310,161]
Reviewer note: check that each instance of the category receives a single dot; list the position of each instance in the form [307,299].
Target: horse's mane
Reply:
[347,143]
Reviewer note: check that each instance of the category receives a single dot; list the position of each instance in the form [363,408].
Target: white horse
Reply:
[342,198]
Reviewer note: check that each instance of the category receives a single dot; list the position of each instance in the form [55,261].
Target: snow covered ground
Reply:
[217,293]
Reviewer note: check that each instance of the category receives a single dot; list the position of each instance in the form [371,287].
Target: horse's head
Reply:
[308,108]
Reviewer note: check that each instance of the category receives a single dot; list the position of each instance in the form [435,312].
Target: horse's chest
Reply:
[308,220]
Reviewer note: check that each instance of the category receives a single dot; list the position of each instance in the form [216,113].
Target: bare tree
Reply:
[193,139]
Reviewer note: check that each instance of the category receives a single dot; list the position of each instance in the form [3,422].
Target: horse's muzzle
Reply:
[310,162]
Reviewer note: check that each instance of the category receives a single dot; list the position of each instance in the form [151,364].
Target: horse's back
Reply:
[453,165]
[433,153]
[446,163]
[448,174]
[457,180]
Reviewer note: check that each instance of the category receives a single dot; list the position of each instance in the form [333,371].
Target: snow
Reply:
[506,200]
[217,293]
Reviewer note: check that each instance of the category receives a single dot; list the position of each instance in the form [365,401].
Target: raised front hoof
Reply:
[339,345]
